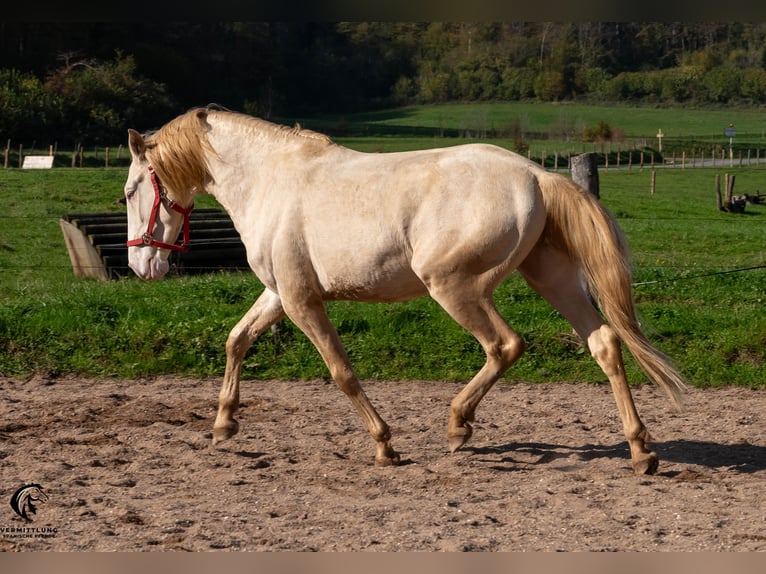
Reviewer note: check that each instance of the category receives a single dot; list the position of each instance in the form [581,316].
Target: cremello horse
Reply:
[322,222]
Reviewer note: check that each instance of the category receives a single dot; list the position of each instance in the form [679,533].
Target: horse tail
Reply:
[579,225]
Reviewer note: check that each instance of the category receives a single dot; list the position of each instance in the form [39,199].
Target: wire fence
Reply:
[700,275]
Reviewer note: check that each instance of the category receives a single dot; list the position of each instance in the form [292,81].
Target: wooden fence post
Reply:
[653,180]
[728,189]
[718,200]
[585,172]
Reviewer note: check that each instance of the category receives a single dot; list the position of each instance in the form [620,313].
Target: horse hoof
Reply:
[459,437]
[225,431]
[390,459]
[647,464]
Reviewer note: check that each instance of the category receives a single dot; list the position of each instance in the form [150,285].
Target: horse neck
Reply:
[249,153]
[241,167]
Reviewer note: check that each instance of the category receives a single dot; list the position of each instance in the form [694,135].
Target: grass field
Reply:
[562,118]
[555,128]
[711,321]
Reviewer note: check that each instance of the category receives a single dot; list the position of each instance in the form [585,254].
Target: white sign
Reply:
[37,162]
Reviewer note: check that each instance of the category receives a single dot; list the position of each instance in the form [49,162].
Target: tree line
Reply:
[74,82]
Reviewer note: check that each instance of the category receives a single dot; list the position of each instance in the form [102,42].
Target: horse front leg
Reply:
[265,312]
[310,316]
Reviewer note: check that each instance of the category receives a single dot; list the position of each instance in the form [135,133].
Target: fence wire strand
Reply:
[690,277]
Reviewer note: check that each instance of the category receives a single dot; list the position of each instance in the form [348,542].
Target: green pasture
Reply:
[548,129]
[557,119]
[697,301]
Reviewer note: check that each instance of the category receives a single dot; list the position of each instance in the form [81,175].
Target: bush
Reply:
[435,88]
[682,84]
[550,86]
[28,110]
[592,82]
[404,91]
[599,133]
[517,84]
[85,100]
[753,86]
[100,99]
[722,84]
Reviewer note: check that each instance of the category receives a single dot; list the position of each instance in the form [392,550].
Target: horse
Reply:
[321,222]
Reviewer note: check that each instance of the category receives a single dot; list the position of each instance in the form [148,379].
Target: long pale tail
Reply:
[578,224]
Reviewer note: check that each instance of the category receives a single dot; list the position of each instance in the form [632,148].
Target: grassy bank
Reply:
[712,324]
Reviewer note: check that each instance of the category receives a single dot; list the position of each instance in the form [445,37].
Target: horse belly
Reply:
[372,280]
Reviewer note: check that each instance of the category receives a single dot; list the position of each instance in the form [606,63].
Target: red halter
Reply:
[160,197]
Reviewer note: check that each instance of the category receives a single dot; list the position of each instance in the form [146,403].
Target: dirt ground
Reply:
[127,465]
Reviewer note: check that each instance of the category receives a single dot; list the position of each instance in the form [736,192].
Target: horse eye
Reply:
[130,191]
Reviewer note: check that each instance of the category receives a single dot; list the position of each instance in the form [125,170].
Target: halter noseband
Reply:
[160,197]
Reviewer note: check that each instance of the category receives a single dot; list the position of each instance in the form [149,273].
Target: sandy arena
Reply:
[127,465]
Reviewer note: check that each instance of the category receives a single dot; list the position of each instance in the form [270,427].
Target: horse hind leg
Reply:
[502,346]
[557,279]
[605,347]
[265,312]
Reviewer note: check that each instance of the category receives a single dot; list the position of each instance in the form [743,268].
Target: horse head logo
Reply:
[25,498]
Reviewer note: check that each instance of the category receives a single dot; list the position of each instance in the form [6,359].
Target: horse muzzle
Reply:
[147,263]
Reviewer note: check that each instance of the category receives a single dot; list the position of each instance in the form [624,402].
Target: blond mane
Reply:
[269,129]
[177,151]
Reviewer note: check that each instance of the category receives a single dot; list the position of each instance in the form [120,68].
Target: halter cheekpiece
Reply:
[160,198]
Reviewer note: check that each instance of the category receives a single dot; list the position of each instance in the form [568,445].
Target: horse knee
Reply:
[237,342]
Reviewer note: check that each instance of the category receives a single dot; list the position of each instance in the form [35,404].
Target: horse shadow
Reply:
[744,458]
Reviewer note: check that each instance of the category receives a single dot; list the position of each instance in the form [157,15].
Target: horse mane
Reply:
[267,128]
[297,130]
[177,151]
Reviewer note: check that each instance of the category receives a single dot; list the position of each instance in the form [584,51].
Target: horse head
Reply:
[154,220]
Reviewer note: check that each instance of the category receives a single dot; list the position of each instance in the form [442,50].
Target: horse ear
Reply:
[202,118]
[136,143]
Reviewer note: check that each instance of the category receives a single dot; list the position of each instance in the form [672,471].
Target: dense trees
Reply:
[76,81]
